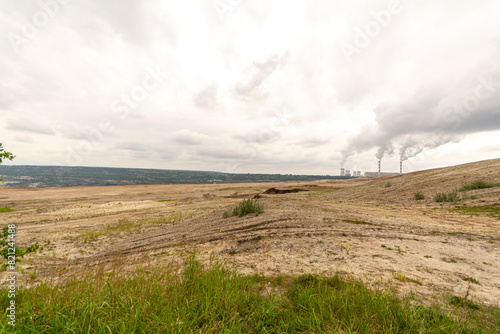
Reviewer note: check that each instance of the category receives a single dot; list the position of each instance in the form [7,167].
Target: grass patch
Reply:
[216,299]
[478,184]
[245,207]
[6,209]
[492,210]
[451,197]
[166,200]
[418,196]
[388,184]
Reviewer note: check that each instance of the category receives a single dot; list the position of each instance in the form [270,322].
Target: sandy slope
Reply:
[334,226]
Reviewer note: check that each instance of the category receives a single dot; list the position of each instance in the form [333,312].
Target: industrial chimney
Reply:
[342,171]
[379,168]
[400,166]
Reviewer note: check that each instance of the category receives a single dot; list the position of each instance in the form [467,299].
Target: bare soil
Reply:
[371,229]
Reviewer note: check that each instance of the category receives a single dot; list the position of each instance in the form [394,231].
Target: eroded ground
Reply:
[371,229]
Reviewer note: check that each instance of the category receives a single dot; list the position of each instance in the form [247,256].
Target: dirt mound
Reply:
[273,191]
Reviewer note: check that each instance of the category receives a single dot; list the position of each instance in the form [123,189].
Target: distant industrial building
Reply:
[377,174]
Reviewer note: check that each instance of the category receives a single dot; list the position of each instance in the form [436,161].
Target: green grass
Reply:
[245,207]
[418,196]
[6,209]
[492,210]
[166,200]
[478,184]
[461,302]
[388,184]
[216,299]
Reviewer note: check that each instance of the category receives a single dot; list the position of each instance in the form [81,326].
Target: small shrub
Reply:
[246,206]
[225,214]
[451,197]
[418,196]
[388,184]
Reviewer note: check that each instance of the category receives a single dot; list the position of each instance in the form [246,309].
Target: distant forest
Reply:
[57,176]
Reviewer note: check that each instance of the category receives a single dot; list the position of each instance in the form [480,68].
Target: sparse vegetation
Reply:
[478,184]
[6,209]
[492,210]
[418,196]
[471,279]
[403,278]
[451,197]
[388,184]
[216,299]
[357,221]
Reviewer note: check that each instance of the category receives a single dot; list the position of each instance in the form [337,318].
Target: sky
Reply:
[239,86]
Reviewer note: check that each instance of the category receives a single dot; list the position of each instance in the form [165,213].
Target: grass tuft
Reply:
[418,196]
[245,207]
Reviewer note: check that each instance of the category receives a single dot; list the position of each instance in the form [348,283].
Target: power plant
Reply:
[379,173]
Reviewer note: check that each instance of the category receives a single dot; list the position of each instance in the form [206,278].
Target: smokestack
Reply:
[342,172]
[400,166]
[379,168]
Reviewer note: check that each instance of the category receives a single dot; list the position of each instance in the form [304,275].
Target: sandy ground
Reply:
[360,227]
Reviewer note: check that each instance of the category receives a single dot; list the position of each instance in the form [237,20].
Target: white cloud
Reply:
[267,88]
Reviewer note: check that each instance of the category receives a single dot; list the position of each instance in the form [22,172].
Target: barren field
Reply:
[372,229]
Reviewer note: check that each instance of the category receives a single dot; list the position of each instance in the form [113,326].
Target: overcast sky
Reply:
[301,86]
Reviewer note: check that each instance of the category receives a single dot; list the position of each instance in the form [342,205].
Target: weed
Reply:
[428,257]
[388,184]
[225,215]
